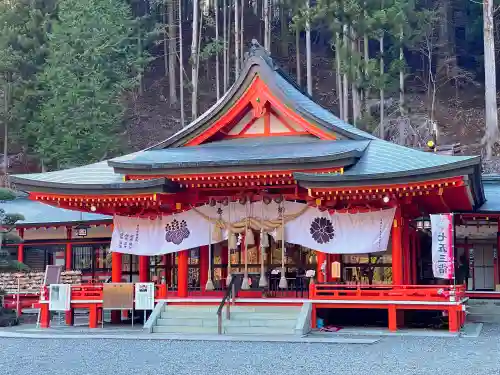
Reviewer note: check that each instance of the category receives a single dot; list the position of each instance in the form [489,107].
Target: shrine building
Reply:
[250,172]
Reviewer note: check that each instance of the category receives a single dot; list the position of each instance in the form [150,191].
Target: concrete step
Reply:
[185,329]
[234,315]
[483,310]
[257,330]
[483,318]
[187,322]
[237,308]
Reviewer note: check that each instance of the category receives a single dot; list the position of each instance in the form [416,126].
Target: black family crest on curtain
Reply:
[176,231]
[322,230]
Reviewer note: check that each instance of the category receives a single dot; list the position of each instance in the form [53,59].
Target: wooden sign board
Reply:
[52,275]
[118,296]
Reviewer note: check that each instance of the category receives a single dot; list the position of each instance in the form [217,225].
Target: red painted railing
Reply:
[433,293]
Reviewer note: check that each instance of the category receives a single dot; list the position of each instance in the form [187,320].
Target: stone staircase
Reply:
[245,320]
[483,311]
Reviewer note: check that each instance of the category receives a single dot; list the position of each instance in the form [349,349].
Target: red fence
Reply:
[434,293]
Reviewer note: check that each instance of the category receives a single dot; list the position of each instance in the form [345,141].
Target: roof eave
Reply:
[331,181]
[343,159]
[157,185]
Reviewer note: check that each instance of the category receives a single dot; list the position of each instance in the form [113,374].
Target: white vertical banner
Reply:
[443,260]
[59,297]
[144,296]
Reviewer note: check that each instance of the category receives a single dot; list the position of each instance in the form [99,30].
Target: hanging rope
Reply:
[210,284]
[245,284]
[283,282]
[231,241]
[263,244]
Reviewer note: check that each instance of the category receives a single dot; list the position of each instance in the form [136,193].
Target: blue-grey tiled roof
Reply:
[383,159]
[38,213]
[305,104]
[491,185]
[244,153]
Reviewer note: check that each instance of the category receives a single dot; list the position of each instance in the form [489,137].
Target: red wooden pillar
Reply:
[182,273]
[68,254]
[203,267]
[321,258]
[44,315]
[143,268]
[495,260]
[116,277]
[407,278]
[20,247]
[397,250]
[414,257]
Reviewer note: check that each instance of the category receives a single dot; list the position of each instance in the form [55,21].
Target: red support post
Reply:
[407,278]
[116,277]
[321,258]
[143,268]
[70,317]
[93,316]
[397,251]
[414,258]
[203,267]
[182,273]
[453,323]
[20,247]
[393,319]
[495,260]
[44,315]
[68,254]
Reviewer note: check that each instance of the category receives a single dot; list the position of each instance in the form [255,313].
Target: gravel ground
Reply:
[391,355]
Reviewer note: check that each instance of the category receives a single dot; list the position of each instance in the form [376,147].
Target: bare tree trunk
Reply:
[266,25]
[366,91]
[171,53]
[224,32]
[242,28]
[217,78]
[139,55]
[297,56]
[339,76]
[308,52]
[194,62]
[6,97]
[229,41]
[401,75]
[236,39]
[491,134]
[382,94]
[346,80]
[354,87]
[165,37]
[181,67]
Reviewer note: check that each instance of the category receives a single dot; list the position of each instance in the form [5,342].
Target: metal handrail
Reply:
[232,290]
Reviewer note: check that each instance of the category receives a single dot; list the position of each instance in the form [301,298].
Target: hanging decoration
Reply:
[210,285]
[245,285]
[298,224]
[283,284]
[264,243]
[231,245]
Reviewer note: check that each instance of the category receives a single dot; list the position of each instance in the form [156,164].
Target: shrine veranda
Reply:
[266,143]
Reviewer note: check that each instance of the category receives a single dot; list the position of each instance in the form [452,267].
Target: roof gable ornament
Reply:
[256,50]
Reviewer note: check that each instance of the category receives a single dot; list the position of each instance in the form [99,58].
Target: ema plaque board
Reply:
[118,296]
